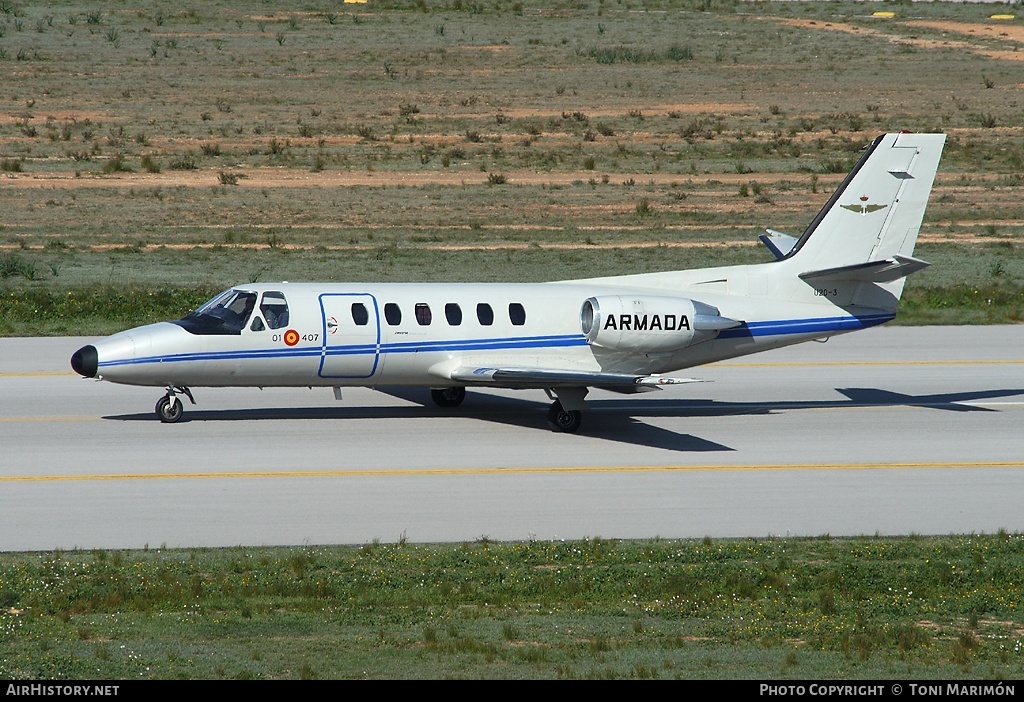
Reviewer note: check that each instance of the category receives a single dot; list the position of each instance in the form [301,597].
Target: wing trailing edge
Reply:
[521,378]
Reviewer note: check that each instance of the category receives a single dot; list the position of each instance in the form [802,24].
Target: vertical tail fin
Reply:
[865,234]
[877,211]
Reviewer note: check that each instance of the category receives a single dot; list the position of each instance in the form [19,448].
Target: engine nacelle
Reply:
[648,324]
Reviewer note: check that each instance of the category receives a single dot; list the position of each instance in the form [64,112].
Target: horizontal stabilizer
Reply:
[884,271]
[551,378]
[778,243]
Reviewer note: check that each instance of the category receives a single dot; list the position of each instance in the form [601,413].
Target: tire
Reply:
[448,397]
[562,420]
[169,409]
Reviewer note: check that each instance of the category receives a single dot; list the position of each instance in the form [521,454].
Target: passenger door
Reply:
[351,335]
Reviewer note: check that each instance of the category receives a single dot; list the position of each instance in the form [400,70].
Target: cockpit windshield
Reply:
[227,313]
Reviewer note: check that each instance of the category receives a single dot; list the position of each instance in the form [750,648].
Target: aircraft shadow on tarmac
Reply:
[608,419]
[528,414]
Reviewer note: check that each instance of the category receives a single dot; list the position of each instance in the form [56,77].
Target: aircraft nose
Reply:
[85,361]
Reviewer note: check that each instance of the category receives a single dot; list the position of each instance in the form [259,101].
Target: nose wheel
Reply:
[169,408]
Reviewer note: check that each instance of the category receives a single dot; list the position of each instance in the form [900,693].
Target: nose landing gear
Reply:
[169,408]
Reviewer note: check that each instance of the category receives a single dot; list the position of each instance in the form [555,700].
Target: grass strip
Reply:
[868,607]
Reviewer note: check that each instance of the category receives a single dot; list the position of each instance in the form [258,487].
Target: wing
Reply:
[520,378]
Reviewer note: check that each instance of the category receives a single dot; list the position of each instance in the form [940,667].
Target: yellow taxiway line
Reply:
[551,470]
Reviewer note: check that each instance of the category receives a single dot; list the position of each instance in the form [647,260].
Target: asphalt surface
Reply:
[888,431]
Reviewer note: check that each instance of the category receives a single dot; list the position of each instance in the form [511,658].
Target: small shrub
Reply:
[185,162]
[834,166]
[116,164]
[12,265]
[679,53]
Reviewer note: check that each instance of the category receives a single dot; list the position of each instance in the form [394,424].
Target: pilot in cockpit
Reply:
[243,310]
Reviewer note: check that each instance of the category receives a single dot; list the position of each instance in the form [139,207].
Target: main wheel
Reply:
[567,421]
[169,409]
[448,397]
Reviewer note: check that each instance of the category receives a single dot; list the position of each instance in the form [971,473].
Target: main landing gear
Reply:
[566,412]
[169,407]
[564,420]
[448,397]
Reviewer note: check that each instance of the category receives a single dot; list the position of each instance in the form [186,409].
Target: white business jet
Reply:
[623,333]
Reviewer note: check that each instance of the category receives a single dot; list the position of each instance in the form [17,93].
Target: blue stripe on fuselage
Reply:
[529,342]
[815,325]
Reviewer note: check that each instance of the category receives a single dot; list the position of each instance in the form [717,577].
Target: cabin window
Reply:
[257,324]
[275,309]
[453,313]
[393,313]
[359,314]
[517,314]
[485,314]
[423,316]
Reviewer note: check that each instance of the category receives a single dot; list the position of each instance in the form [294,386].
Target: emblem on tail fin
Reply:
[863,208]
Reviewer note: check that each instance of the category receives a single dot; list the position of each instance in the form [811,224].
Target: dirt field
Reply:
[450,127]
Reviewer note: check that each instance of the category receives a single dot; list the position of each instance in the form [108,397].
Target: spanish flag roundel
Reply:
[291,337]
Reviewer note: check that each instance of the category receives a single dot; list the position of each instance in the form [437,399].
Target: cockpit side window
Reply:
[275,309]
[225,314]
[242,307]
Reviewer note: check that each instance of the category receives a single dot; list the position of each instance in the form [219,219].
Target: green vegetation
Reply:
[215,144]
[869,608]
[439,140]
[50,292]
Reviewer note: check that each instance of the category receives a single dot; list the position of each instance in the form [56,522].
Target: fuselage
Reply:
[412,334]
